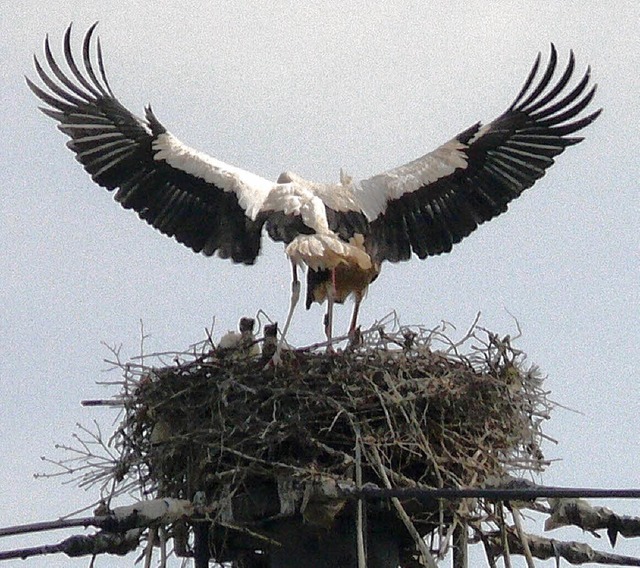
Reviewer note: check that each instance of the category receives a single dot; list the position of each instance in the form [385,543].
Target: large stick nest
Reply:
[423,410]
[434,419]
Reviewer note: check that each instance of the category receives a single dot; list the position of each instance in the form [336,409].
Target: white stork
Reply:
[342,231]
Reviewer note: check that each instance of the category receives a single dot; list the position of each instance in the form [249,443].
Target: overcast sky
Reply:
[275,86]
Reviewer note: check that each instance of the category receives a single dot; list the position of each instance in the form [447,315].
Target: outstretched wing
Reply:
[428,205]
[203,203]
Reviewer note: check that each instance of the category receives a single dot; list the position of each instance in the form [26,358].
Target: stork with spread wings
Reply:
[342,232]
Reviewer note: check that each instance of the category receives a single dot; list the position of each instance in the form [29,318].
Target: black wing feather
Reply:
[115,148]
[502,160]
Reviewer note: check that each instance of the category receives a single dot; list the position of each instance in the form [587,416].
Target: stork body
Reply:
[342,232]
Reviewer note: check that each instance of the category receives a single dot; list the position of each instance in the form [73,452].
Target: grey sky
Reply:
[274,86]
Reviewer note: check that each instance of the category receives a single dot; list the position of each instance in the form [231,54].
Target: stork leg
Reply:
[354,335]
[295,296]
[328,318]
[328,321]
[354,317]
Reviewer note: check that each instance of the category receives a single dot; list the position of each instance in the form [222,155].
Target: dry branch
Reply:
[545,548]
[83,545]
[143,514]
[581,514]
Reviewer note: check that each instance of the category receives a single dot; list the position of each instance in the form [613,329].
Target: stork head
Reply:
[246,325]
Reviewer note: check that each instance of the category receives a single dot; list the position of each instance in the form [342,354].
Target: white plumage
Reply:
[341,232]
[243,340]
[250,189]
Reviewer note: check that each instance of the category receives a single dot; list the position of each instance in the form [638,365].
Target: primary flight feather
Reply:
[341,232]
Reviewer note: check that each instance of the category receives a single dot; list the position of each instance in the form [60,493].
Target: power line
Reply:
[520,494]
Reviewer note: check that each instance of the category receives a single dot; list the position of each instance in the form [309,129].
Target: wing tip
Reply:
[155,125]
